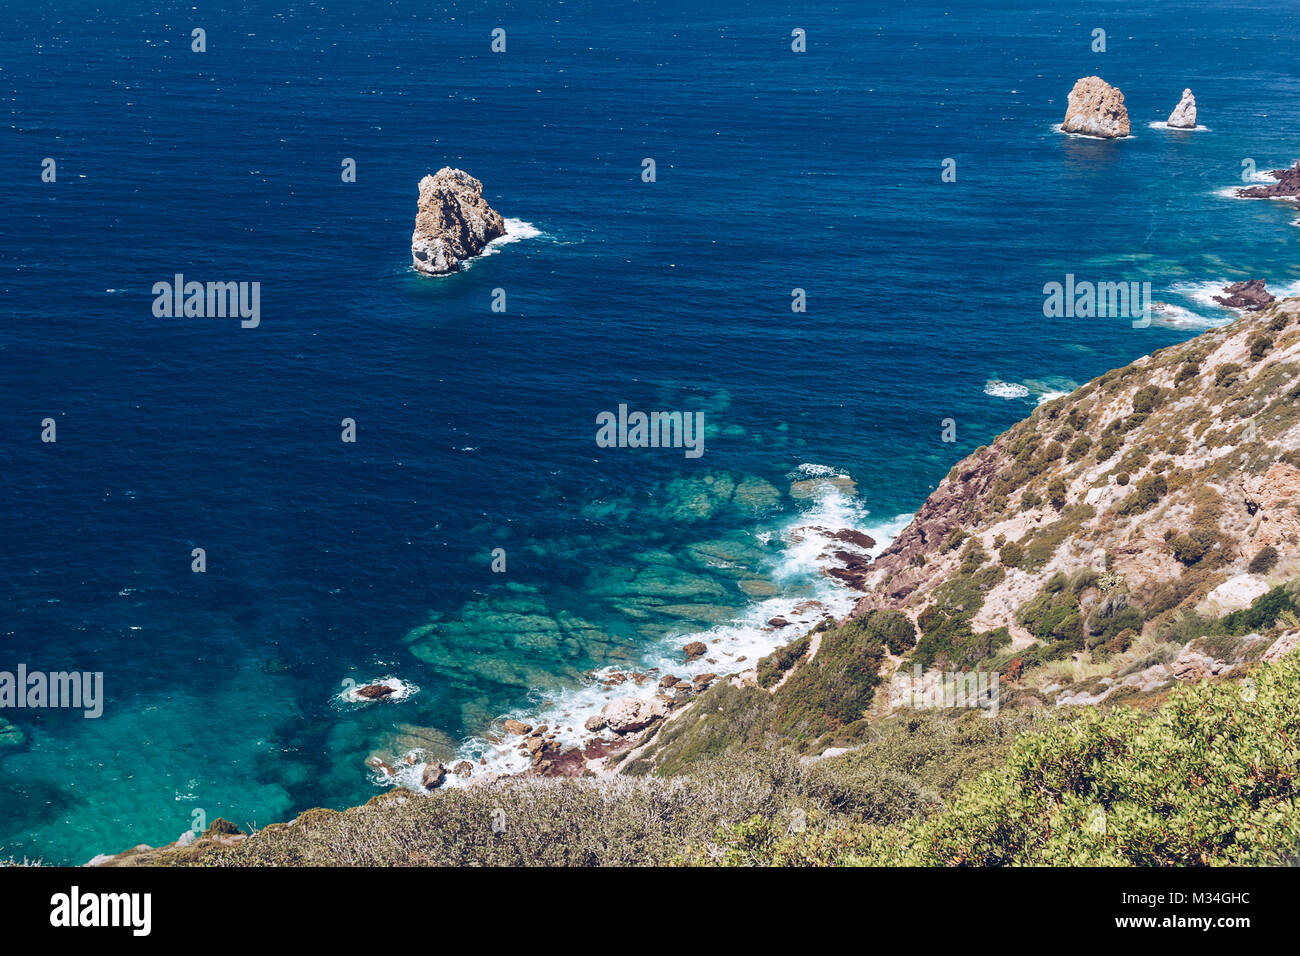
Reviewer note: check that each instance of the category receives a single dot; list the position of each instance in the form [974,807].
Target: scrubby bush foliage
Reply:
[1210,778]
[1264,561]
[1149,490]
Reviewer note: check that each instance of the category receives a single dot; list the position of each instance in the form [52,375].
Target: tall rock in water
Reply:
[1184,114]
[1096,109]
[452,222]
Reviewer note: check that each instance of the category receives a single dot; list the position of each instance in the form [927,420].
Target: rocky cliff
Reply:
[453,222]
[1090,553]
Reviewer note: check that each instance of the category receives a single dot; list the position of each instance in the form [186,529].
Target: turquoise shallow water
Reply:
[329,562]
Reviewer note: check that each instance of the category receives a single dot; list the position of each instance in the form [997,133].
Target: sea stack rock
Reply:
[452,223]
[1096,109]
[1184,114]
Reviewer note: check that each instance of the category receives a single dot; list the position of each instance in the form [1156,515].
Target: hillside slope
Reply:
[1086,555]
[1125,541]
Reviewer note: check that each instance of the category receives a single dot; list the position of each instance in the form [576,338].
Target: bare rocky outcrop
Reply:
[453,222]
[1096,108]
[1251,295]
[1184,114]
[1283,646]
[1200,659]
[630,714]
[1286,187]
[433,776]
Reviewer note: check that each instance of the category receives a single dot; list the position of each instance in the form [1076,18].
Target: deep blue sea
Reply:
[329,562]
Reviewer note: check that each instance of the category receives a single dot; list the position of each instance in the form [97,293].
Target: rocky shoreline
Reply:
[626,723]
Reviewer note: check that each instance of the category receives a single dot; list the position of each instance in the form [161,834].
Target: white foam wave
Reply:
[1051,396]
[516,231]
[1164,124]
[996,388]
[811,470]
[1170,316]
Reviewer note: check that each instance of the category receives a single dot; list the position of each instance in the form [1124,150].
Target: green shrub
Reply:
[1264,561]
[893,628]
[1226,374]
[773,667]
[1189,547]
[1149,490]
[1210,778]
[1056,492]
[1146,399]
[1078,448]
[1259,346]
[1011,554]
[1111,441]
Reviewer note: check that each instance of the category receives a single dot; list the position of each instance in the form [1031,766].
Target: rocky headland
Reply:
[453,222]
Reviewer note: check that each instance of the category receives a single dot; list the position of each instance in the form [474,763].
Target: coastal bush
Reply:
[1110,442]
[1146,399]
[1040,545]
[835,687]
[1226,374]
[773,667]
[1112,621]
[1011,554]
[1208,778]
[1056,492]
[1260,343]
[972,558]
[1190,547]
[1277,604]
[1079,448]
[1053,618]
[1189,370]
[1264,561]
[893,628]
[1149,490]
